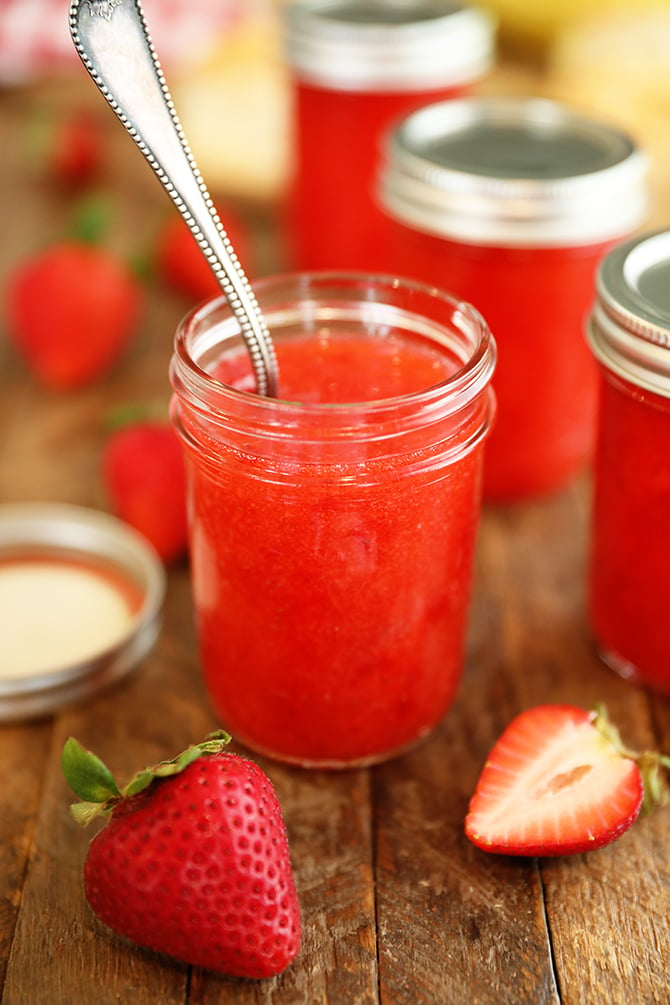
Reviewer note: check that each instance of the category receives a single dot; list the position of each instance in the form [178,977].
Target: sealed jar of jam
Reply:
[356,66]
[629,579]
[511,203]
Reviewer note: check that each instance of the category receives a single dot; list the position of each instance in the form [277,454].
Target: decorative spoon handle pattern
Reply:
[113,42]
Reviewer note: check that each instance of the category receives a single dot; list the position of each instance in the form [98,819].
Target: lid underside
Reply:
[56,534]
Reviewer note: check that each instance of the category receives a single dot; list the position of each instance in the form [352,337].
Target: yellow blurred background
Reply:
[225,68]
[609,57]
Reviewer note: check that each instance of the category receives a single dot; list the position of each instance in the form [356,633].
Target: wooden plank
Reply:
[23,754]
[608,911]
[457,925]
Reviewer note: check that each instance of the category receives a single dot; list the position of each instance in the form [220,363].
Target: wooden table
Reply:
[398,908]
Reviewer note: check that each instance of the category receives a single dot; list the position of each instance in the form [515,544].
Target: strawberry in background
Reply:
[66,145]
[181,264]
[73,308]
[144,477]
[74,149]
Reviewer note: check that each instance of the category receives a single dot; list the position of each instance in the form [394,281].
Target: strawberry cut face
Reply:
[553,784]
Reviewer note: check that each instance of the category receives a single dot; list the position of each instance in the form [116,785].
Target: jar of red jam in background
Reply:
[629,579]
[511,203]
[356,66]
[332,528]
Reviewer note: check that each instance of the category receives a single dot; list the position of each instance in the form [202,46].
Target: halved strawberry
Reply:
[558,782]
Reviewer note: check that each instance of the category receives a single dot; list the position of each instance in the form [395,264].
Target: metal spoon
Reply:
[114,45]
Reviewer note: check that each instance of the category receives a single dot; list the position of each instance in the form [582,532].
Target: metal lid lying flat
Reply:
[629,329]
[80,604]
[513,171]
[375,45]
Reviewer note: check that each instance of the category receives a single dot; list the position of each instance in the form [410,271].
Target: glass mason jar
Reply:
[629,577]
[355,66]
[511,204]
[333,527]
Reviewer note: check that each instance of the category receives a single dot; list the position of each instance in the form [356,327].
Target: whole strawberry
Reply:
[558,782]
[181,263]
[74,149]
[143,472]
[194,861]
[72,310]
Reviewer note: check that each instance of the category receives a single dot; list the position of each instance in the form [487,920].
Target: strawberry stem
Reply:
[609,731]
[131,412]
[92,218]
[653,768]
[86,774]
[653,765]
[92,781]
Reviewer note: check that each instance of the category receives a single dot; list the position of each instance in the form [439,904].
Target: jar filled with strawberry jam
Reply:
[333,527]
[629,579]
[511,203]
[356,66]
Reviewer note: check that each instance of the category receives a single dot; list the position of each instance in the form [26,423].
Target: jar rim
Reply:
[192,379]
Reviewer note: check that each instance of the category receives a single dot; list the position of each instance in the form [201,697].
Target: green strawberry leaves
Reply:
[92,218]
[90,779]
[653,766]
[87,776]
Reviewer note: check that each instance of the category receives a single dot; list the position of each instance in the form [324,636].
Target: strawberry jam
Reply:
[333,528]
[629,582]
[356,66]
[511,204]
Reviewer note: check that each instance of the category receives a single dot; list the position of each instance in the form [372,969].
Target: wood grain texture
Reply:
[605,912]
[398,907]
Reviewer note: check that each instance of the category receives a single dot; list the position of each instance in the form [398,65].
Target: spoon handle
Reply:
[114,44]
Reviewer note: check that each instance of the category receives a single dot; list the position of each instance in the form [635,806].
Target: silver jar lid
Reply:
[376,45]
[82,604]
[629,329]
[512,171]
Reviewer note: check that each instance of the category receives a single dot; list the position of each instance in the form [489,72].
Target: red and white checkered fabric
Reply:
[35,37]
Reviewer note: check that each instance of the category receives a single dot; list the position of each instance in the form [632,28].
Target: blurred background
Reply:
[61,146]
[229,83]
